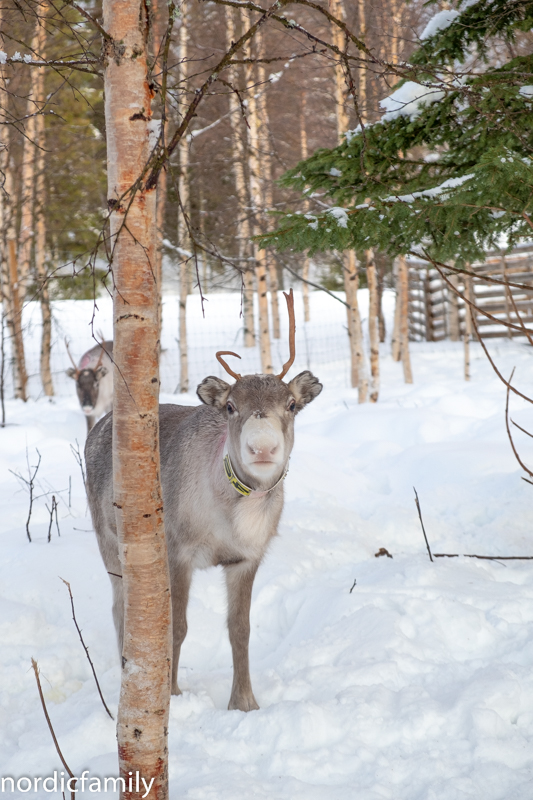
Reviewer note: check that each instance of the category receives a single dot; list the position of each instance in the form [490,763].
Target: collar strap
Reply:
[241,487]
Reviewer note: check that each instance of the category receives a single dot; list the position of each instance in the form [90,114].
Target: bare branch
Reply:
[422,524]
[67,584]
[58,749]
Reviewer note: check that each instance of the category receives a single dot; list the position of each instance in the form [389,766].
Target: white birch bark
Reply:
[305,267]
[244,230]
[403,295]
[395,341]
[184,190]
[12,290]
[373,324]
[40,223]
[259,253]
[455,332]
[355,332]
[265,159]
[468,324]
[351,280]
[142,727]
[26,232]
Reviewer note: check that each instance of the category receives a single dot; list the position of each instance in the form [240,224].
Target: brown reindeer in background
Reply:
[94,380]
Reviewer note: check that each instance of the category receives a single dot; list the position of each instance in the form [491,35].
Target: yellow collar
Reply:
[241,487]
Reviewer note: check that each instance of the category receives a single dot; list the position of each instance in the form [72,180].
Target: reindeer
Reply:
[94,380]
[222,469]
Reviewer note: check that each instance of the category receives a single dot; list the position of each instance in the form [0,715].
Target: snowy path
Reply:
[417,685]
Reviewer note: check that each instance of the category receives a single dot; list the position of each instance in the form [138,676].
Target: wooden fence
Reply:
[436,313]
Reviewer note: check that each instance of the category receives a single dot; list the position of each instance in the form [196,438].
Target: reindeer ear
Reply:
[305,387]
[71,372]
[213,391]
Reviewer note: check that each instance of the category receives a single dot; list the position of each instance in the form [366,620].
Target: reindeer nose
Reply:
[263,450]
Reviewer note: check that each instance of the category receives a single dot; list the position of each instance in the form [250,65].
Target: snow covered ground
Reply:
[416,683]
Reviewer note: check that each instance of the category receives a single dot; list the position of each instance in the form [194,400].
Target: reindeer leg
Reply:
[118,609]
[181,583]
[239,581]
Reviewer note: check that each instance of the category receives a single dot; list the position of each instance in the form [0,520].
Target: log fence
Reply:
[436,313]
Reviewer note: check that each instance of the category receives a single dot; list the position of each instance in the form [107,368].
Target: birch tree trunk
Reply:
[26,233]
[265,156]
[351,284]
[146,660]
[373,324]
[183,237]
[12,292]
[160,22]
[11,305]
[395,341]
[371,273]
[244,230]
[403,297]
[259,253]
[395,38]
[468,324]
[455,333]
[40,223]
[201,216]
[351,279]
[305,267]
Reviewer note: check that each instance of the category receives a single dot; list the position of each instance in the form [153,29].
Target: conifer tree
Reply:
[448,169]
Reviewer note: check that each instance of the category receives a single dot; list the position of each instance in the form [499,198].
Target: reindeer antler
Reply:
[221,361]
[70,356]
[101,355]
[292,335]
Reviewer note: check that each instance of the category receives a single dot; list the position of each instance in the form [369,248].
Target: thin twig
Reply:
[422,524]
[521,429]
[30,483]
[485,558]
[51,512]
[495,368]
[60,754]
[67,584]
[509,429]
[315,285]
[77,455]
[354,584]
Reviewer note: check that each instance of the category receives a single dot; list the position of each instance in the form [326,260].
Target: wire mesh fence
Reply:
[321,344]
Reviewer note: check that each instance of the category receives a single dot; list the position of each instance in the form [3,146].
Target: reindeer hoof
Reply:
[175,690]
[248,703]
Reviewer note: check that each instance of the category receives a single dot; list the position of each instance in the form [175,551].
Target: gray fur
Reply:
[207,522]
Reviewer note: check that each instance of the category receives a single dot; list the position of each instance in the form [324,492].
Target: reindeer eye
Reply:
[292,405]
[230,408]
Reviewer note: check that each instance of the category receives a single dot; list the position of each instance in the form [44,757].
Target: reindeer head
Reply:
[260,410]
[87,379]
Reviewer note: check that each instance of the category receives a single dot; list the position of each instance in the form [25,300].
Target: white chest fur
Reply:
[241,534]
